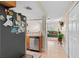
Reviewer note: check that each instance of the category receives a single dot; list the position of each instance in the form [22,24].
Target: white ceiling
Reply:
[54,9]
[35,13]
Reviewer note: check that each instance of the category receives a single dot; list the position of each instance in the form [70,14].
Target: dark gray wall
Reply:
[0,40]
[12,45]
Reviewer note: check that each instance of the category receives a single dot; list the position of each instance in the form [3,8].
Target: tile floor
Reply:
[54,50]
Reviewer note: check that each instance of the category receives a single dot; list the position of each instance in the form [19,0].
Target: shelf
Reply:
[9,4]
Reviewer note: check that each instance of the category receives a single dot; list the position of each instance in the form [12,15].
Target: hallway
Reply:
[32,29]
[54,50]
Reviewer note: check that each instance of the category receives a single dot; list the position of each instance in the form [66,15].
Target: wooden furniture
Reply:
[38,42]
[8,4]
[27,40]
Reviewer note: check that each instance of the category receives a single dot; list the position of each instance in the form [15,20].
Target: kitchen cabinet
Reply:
[34,42]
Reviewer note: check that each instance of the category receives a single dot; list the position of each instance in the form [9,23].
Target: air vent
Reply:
[28,8]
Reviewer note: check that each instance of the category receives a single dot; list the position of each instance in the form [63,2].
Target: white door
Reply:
[74,32]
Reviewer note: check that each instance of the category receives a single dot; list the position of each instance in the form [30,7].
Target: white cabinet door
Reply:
[34,44]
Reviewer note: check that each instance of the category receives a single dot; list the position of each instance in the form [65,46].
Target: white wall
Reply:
[34,25]
[53,25]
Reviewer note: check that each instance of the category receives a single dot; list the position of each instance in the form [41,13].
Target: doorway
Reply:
[55,50]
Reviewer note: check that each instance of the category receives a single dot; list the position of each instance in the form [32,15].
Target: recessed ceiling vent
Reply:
[28,8]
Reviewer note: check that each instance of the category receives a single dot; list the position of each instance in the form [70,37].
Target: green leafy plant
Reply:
[61,36]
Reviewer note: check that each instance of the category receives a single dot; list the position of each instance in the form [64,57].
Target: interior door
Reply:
[74,32]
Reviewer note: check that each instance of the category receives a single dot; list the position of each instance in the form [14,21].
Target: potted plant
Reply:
[60,37]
